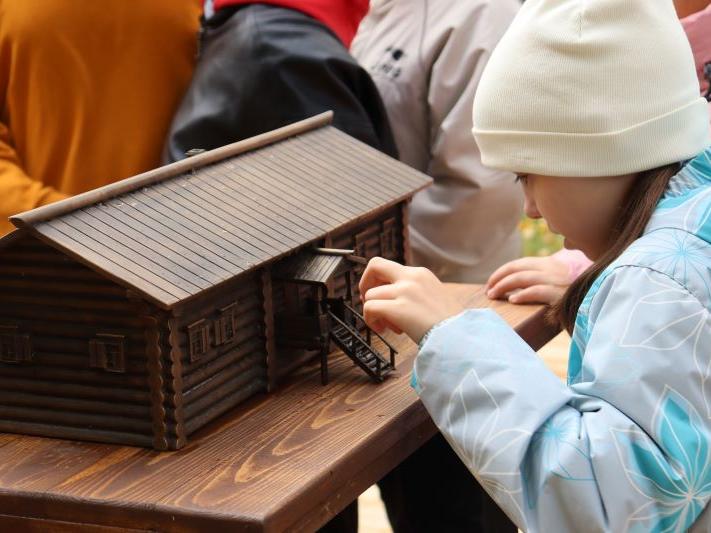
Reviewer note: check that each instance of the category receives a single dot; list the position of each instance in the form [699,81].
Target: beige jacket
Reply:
[426,57]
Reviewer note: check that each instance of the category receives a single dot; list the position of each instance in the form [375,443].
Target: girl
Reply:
[595,105]
[545,279]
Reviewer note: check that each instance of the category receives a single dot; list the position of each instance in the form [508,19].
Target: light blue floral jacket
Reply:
[626,444]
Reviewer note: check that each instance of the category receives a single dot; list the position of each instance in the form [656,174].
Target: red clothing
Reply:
[341,16]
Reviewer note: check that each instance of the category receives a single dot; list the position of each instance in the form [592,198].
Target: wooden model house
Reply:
[138,312]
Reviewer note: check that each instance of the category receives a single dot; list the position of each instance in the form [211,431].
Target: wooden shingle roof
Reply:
[311,267]
[174,232]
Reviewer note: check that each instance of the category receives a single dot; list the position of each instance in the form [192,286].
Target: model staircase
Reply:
[349,339]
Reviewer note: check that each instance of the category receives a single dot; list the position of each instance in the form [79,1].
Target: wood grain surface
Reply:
[288,460]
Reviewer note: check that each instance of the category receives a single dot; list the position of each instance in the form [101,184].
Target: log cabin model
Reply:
[138,312]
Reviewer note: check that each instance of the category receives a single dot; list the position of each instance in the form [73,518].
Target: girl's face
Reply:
[583,210]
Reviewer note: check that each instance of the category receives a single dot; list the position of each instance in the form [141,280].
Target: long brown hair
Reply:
[634,215]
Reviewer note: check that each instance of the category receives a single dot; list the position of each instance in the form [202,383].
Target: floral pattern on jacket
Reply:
[625,445]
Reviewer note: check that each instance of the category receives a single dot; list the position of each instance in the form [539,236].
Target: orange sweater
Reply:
[87,92]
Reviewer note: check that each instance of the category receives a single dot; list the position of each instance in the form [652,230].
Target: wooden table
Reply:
[290,460]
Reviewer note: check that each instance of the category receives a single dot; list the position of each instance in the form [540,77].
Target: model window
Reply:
[107,352]
[8,349]
[14,346]
[225,325]
[198,339]
[388,239]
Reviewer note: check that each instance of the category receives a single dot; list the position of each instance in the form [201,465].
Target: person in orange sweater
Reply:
[87,93]
[264,64]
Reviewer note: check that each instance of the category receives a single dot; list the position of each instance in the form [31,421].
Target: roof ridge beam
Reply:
[102,194]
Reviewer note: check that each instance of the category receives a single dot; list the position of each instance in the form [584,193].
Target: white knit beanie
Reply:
[590,88]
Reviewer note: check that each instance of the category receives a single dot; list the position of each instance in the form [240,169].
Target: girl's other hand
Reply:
[404,299]
[530,280]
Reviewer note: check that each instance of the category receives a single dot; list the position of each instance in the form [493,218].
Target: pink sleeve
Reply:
[698,30]
[576,260]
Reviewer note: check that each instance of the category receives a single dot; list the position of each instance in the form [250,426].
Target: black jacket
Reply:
[262,67]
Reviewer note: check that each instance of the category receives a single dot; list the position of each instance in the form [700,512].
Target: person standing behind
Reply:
[87,92]
[426,57]
[266,64]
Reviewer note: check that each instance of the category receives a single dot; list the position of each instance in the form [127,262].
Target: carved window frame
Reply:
[388,237]
[15,346]
[226,325]
[198,339]
[107,351]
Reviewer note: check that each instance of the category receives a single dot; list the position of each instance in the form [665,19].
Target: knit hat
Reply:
[590,88]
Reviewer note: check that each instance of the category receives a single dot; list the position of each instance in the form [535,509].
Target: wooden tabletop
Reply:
[289,460]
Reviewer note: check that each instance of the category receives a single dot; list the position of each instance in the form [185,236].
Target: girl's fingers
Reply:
[379,272]
[538,294]
[382,292]
[382,314]
[518,280]
[377,325]
[517,265]
[403,299]
[393,328]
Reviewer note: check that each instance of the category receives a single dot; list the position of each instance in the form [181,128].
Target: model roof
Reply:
[174,232]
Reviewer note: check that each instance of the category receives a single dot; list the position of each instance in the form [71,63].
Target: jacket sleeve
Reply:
[18,192]
[625,447]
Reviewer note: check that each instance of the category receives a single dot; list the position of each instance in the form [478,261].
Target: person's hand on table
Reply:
[529,280]
[404,299]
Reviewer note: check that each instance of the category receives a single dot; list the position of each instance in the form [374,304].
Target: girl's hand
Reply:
[404,299]
[530,280]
